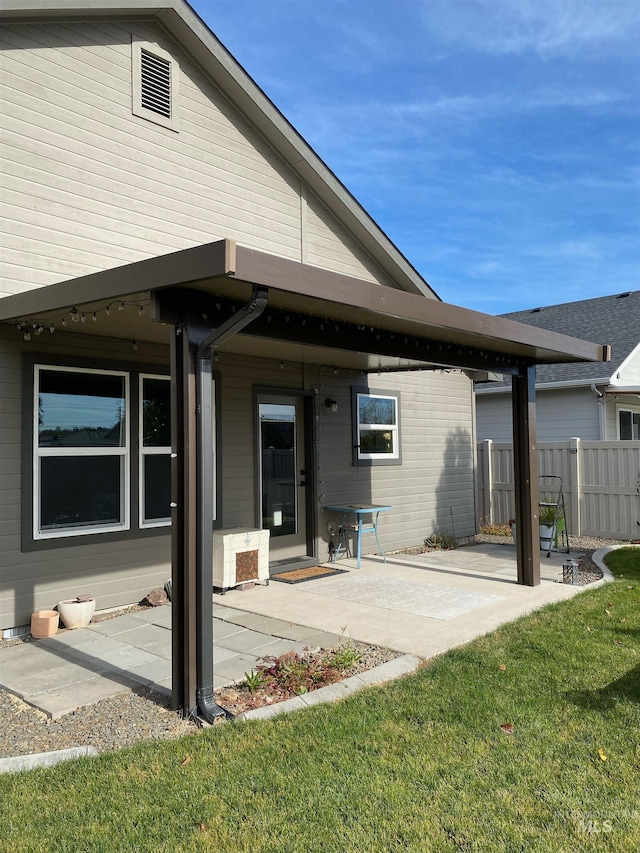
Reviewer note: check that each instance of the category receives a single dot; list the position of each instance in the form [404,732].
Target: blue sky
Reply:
[496,142]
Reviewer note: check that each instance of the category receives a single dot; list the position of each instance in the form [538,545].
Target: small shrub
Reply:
[295,674]
[255,680]
[493,529]
[343,657]
[441,541]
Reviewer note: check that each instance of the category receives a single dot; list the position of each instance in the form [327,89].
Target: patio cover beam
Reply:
[317,331]
[223,268]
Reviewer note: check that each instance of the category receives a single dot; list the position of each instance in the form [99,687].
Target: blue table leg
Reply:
[359,541]
[375,530]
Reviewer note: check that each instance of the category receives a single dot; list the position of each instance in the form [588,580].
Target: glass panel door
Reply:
[281,466]
[278,468]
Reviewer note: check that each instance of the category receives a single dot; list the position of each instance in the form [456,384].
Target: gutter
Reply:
[549,386]
[207,708]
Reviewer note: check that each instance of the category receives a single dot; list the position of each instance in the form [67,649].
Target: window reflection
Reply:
[80,409]
[156,413]
[377,410]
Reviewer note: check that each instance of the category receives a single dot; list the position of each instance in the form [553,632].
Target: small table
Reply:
[360,525]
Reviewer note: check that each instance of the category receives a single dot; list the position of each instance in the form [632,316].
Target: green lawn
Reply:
[420,765]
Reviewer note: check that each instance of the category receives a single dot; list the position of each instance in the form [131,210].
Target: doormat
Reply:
[417,598]
[309,574]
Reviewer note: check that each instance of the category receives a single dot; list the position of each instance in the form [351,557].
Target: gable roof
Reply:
[183,24]
[612,320]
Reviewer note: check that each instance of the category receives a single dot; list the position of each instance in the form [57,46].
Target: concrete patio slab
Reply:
[223,629]
[282,647]
[160,616]
[64,700]
[244,641]
[151,672]
[77,668]
[111,627]
[148,637]
[234,668]
[485,569]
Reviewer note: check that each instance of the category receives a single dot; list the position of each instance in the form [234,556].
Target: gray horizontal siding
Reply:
[560,415]
[122,573]
[436,477]
[87,185]
[432,490]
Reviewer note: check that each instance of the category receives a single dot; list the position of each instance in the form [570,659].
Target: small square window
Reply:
[155,81]
[376,427]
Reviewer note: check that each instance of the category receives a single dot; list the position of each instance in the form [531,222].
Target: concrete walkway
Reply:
[77,668]
[420,605]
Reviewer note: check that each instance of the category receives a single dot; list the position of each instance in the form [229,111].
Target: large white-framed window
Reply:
[628,425]
[155,451]
[376,426]
[81,442]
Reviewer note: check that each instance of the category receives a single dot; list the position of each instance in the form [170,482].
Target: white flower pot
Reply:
[76,614]
[547,536]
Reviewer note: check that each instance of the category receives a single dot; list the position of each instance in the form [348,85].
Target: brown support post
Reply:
[525,463]
[183,518]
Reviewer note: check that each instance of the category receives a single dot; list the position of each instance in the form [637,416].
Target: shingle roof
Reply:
[613,320]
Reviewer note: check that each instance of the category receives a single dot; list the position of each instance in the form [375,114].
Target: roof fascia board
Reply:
[224,259]
[281,273]
[208,261]
[623,389]
[634,354]
[180,20]
[548,386]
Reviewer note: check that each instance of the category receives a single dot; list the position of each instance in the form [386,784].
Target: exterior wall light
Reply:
[332,405]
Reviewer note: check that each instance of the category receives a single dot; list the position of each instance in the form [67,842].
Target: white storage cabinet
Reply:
[240,555]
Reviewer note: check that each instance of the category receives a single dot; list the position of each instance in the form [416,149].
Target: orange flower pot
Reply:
[44,623]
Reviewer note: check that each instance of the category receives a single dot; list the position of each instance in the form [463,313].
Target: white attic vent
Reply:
[154,82]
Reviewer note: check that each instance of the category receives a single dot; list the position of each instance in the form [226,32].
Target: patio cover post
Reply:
[525,463]
[183,518]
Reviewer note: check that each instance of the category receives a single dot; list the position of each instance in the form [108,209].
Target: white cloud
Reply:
[545,27]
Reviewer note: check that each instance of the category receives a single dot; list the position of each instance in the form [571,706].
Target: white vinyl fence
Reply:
[601,484]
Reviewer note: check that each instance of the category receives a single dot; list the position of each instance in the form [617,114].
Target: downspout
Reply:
[207,708]
[600,396]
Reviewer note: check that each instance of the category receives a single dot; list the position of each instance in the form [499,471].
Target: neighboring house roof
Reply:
[186,27]
[612,320]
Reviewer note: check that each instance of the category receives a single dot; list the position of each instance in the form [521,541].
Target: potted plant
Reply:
[548,518]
